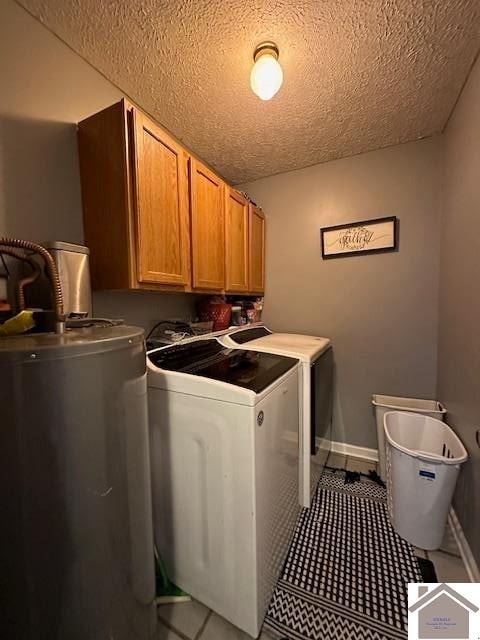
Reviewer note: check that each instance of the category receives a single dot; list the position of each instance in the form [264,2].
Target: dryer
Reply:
[316,393]
[224,457]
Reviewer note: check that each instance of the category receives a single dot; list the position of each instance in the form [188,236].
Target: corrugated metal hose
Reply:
[11,246]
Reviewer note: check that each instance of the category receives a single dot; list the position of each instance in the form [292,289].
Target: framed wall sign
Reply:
[367,236]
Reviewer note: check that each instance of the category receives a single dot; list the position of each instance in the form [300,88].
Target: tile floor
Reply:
[194,621]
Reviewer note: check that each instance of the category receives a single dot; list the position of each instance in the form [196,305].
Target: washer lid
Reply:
[244,336]
[209,359]
[294,345]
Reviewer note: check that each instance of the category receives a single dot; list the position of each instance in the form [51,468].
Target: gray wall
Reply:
[46,89]
[380,311]
[459,330]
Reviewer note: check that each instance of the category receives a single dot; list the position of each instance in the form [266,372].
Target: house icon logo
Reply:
[442,611]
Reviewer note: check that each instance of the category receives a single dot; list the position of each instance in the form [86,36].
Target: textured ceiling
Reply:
[358,74]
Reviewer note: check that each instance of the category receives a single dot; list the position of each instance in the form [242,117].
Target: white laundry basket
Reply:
[423,461]
[383,404]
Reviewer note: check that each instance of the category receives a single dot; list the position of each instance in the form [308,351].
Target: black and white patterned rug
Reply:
[346,573]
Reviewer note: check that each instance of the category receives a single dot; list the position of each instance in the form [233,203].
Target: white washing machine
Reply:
[316,393]
[224,452]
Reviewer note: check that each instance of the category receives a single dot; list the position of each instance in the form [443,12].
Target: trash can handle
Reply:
[428,454]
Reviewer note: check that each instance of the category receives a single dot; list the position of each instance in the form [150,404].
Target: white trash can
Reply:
[383,404]
[423,461]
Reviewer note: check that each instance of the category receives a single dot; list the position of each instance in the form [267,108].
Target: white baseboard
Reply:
[464,548]
[350,450]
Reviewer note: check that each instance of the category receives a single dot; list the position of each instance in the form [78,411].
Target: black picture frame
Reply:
[353,225]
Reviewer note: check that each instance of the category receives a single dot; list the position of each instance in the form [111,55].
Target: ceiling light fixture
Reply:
[267,76]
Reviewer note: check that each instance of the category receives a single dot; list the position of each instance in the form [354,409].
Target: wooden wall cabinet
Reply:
[236,242]
[257,250]
[207,212]
[135,202]
[160,205]
[157,218]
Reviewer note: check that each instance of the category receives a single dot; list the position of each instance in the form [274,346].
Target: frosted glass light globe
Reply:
[266,76]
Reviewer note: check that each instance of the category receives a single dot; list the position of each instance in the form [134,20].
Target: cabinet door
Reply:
[236,241]
[208,228]
[160,205]
[257,250]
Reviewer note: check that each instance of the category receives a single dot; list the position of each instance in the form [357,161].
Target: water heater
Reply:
[76,535]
